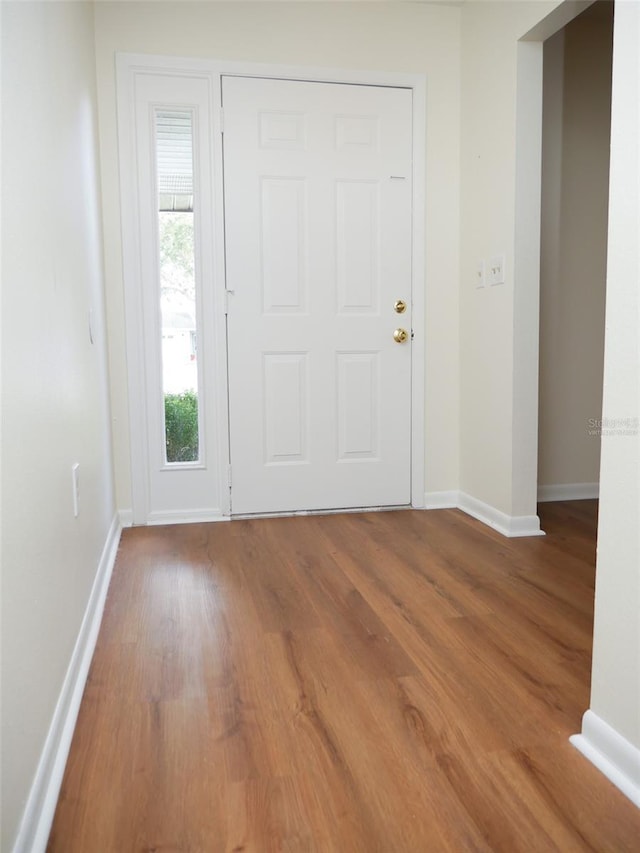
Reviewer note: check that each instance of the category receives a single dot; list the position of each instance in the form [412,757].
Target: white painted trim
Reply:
[611,753]
[126,517]
[35,825]
[131,275]
[569,492]
[418,291]
[523,525]
[127,65]
[192,516]
[188,65]
[442,500]
[508,525]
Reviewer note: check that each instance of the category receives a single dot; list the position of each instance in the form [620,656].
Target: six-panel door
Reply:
[318,250]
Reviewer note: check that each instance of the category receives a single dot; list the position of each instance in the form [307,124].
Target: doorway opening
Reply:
[576,129]
[529,184]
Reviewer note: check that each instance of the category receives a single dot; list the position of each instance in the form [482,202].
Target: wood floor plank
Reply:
[329,707]
[364,683]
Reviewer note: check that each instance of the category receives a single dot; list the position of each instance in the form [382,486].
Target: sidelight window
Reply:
[177,267]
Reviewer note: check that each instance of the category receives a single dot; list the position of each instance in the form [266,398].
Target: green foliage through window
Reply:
[177,253]
[181,426]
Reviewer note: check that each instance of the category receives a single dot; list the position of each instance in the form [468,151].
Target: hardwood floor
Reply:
[402,681]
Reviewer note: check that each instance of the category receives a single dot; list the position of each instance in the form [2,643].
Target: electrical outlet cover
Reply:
[75,484]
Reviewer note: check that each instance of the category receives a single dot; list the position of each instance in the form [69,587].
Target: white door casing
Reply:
[134,72]
[318,192]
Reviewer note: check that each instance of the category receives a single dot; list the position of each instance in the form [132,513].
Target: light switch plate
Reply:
[495,273]
[480,274]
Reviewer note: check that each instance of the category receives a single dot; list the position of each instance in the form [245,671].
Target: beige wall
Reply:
[489,49]
[575,175]
[367,36]
[615,684]
[54,385]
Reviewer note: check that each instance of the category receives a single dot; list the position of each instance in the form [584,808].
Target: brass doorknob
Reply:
[400,306]
[400,336]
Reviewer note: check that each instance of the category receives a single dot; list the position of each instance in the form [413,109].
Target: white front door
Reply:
[318,194]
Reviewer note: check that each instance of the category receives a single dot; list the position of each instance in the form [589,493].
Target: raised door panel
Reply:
[283,244]
[358,246]
[285,408]
[358,405]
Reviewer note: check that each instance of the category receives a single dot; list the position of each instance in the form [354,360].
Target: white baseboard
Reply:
[37,818]
[126,517]
[569,492]
[508,525]
[611,753]
[511,526]
[441,500]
